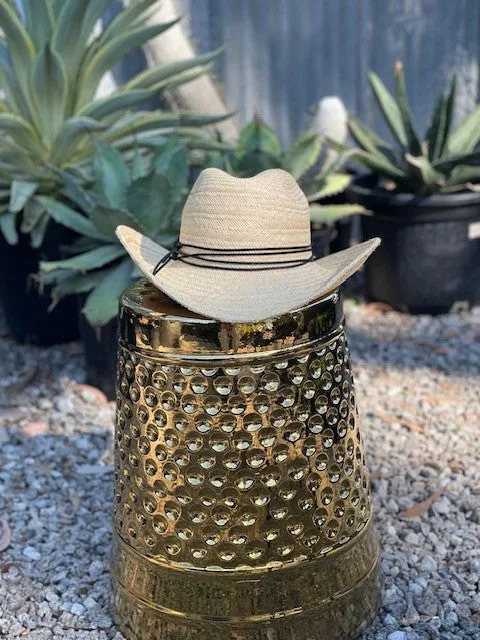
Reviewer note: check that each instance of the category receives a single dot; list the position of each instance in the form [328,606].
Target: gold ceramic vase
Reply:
[242,503]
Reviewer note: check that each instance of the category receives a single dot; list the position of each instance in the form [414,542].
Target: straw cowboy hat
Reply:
[244,252]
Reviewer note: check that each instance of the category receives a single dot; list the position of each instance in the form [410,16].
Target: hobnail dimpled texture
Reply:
[239,466]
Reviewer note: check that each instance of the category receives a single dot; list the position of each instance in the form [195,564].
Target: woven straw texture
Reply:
[223,212]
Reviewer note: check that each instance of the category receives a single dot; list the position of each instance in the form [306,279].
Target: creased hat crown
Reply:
[224,212]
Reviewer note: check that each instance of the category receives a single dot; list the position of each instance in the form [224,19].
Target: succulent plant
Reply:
[259,148]
[146,194]
[50,70]
[444,162]
[331,121]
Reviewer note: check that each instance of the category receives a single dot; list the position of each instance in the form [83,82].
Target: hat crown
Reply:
[224,212]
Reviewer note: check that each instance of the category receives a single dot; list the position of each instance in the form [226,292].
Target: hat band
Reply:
[207,255]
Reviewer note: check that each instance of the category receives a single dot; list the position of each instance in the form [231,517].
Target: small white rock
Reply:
[442,506]
[95,569]
[428,564]
[31,553]
[397,635]
[4,436]
[90,603]
[77,609]
[412,538]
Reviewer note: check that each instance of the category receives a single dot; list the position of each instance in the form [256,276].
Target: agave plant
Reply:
[444,162]
[146,194]
[50,70]
[259,148]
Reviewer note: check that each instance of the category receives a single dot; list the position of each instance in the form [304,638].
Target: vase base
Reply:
[342,615]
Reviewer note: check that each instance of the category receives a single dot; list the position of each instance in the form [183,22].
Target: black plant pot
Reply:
[342,238]
[100,349]
[429,258]
[341,235]
[321,239]
[25,306]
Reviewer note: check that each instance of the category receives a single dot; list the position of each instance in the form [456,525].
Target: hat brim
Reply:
[243,296]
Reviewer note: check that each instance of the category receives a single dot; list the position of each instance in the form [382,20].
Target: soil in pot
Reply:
[24,305]
[429,258]
[100,349]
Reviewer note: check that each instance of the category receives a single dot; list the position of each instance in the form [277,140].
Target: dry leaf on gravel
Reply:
[91,394]
[422,507]
[412,426]
[5,535]
[374,307]
[34,429]
[22,382]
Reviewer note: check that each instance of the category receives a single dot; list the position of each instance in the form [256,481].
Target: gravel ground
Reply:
[418,391]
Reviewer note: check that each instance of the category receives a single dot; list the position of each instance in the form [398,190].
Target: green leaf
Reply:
[467,135]
[21,131]
[87,261]
[107,219]
[73,132]
[74,27]
[111,175]
[421,168]
[179,80]
[37,234]
[445,165]
[170,160]
[451,98]
[368,140]
[378,164]
[152,198]
[12,92]
[31,215]
[21,192]
[50,86]
[69,218]
[125,18]
[20,46]
[112,52]
[139,168]
[7,227]
[40,18]
[463,174]
[18,164]
[57,6]
[328,214]
[101,305]
[413,140]
[117,101]
[302,154]
[332,185]
[256,137]
[438,132]
[152,121]
[389,108]
[152,77]
[72,284]
[75,192]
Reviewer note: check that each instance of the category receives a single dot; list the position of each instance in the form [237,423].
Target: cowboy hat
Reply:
[244,252]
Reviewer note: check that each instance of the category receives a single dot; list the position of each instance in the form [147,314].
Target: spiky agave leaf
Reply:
[50,70]
[145,194]
[436,165]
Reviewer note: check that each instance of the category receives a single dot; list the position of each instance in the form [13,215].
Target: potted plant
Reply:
[258,148]
[50,69]
[145,193]
[425,199]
